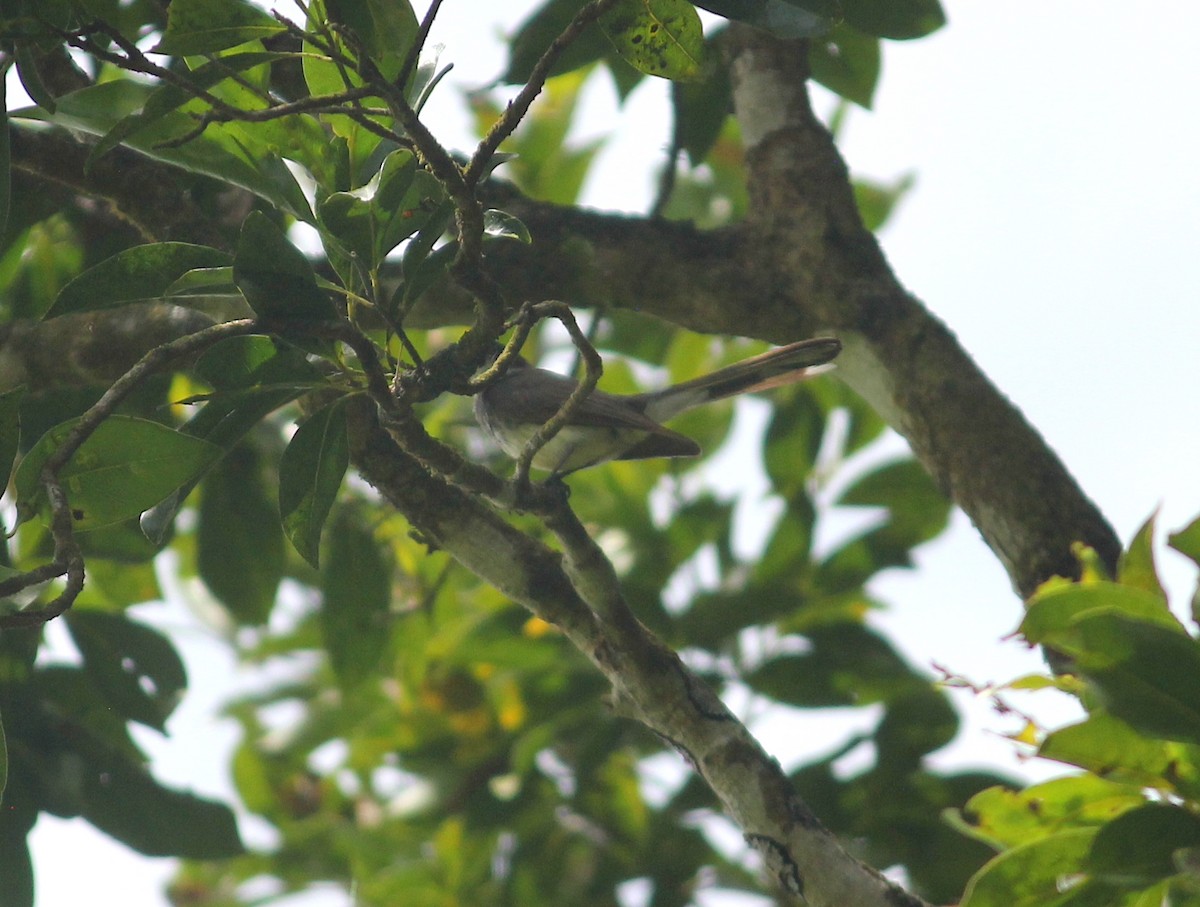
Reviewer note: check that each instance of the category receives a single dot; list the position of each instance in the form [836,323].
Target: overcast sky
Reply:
[1053,226]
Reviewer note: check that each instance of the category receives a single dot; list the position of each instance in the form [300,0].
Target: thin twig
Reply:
[413,57]
[519,106]
[593,369]
[67,556]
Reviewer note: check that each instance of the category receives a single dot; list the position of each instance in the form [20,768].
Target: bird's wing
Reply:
[538,394]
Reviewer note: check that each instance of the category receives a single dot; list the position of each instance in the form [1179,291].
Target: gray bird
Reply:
[615,427]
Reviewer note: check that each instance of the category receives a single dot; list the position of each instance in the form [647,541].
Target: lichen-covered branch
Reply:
[649,682]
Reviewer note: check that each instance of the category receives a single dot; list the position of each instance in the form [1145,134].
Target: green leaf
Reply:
[897,19]
[388,28]
[1187,541]
[31,78]
[405,204]
[356,583]
[1003,817]
[1137,848]
[1110,748]
[120,798]
[231,152]
[847,62]
[16,868]
[5,160]
[125,467]
[257,375]
[1144,673]
[1136,567]
[877,201]
[276,277]
[701,108]
[1054,612]
[10,431]
[310,475]
[204,26]
[140,273]
[535,35]
[793,441]
[658,37]
[240,550]
[915,724]
[502,225]
[373,219]
[135,668]
[206,282]
[1030,875]
[847,664]
[779,17]
[168,98]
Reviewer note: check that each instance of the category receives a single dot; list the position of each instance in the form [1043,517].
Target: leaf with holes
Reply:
[658,37]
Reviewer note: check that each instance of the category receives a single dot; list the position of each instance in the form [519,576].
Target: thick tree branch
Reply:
[808,235]
[649,681]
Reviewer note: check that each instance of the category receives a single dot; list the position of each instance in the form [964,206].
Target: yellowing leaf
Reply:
[659,37]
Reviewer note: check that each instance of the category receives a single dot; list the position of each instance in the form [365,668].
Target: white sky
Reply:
[1052,227]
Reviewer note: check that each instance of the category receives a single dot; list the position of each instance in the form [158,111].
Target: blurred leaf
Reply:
[1030,874]
[10,431]
[658,37]
[897,19]
[240,549]
[16,867]
[356,584]
[120,798]
[781,18]
[310,475]
[535,35]
[31,78]
[877,201]
[204,26]
[793,440]
[140,273]
[1137,848]
[918,510]
[915,724]
[701,107]
[846,62]
[1136,567]
[134,667]
[275,277]
[126,466]
[847,664]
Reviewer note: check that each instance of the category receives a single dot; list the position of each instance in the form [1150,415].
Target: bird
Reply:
[608,426]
